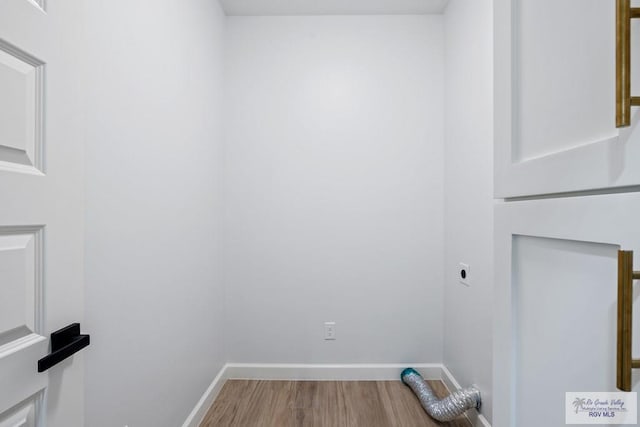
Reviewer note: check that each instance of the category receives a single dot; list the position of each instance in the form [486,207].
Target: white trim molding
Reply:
[322,372]
[197,414]
[475,418]
[350,372]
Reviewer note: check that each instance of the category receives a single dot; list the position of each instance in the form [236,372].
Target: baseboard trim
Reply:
[324,372]
[475,418]
[197,414]
[349,372]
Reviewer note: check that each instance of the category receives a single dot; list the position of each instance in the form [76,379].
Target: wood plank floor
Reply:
[244,403]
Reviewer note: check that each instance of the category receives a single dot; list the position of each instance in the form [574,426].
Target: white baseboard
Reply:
[197,414]
[349,372]
[356,372]
[475,418]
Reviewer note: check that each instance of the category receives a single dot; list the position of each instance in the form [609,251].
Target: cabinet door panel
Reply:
[556,302]
[555,99]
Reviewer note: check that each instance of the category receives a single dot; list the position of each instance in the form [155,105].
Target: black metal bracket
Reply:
[64,343]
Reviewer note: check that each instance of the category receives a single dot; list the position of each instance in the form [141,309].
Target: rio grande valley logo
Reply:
[601,408]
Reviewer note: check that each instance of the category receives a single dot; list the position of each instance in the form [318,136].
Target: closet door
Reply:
[556,303]
[555,95]
[41,212]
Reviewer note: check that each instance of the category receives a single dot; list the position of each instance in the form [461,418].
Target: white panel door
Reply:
[41,214]
[555,99]
[556,302]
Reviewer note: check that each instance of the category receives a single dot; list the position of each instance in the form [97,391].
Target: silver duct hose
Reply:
[447,409]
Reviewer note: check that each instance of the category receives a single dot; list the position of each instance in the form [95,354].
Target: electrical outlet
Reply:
[464,274]
[330,331]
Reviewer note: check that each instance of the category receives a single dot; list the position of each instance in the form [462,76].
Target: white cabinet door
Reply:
[556,297]
[40,209]
[555,99]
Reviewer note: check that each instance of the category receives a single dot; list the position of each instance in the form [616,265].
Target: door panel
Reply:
[557,285]
[21,309]
[556,302]
[555,99]
[25,414]
[41,212]
[558,53]
[21,108]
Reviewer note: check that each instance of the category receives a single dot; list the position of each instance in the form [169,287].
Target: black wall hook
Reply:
[64,343]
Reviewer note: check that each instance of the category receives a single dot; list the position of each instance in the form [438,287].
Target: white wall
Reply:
[469,193]
[154,298]
[334,188]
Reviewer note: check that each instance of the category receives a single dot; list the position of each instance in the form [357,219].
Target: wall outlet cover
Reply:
[330,331]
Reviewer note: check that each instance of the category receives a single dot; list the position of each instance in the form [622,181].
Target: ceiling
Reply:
[333,7]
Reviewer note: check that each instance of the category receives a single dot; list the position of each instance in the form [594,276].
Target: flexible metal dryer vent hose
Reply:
[447,409]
